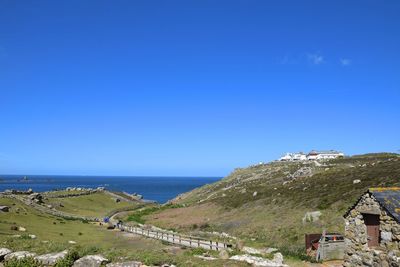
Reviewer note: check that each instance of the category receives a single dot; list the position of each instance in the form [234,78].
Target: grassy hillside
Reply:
[53,235]
[95,205]
[264,204]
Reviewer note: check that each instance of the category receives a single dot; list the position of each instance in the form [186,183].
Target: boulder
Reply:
[278,258]
[224,255]
[51,258]
[90,261]
[21,229]
[36,198]
[19,255]
[4,208]
[356,181]
[32,236]
[125,264]
[311,216]
[4,252]
[251,250]
[258,261]
[269,250]
[71,242]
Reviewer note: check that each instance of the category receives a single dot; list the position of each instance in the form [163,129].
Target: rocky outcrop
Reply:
[277,261]
[311,216]
[263,251]
[125,264]
[19,255]
[4,252]
[51,258]
[36,198]
[4,208]
[90,261]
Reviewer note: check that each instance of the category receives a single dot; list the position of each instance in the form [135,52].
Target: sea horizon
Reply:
[155,188]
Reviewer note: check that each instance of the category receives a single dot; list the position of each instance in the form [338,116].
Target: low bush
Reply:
[296,253]
[69,259]
[24,262]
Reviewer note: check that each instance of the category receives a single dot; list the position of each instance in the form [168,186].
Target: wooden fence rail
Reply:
[178,239]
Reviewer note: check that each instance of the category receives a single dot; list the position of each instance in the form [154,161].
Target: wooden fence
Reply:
[174,238]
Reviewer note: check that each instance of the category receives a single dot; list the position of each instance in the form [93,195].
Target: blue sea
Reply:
[160,189]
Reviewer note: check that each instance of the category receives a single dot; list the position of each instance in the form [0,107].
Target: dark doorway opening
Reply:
[372,223]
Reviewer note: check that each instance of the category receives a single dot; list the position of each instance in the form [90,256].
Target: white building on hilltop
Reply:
[321,155]
[293,157]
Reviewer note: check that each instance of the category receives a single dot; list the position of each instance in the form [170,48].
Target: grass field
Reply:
[53,235]
[94,205]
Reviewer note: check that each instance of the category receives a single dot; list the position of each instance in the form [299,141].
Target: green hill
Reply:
[264,205]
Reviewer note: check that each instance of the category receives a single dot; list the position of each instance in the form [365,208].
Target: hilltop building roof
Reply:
[315,152]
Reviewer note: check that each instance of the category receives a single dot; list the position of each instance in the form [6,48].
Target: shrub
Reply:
[24,262]
[297,253]
[69,259]
[14,228]
[196,251]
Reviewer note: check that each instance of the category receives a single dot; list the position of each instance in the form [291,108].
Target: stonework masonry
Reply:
[357,252]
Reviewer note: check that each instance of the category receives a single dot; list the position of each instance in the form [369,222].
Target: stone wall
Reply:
[357,251]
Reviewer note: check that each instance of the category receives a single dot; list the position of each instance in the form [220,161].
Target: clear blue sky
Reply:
[193,87]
